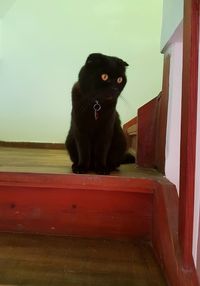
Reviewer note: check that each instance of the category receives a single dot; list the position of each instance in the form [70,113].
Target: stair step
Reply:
[80,205]
[42,198]
[58,261]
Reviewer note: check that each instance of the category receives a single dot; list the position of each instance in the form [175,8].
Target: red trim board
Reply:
[188,127]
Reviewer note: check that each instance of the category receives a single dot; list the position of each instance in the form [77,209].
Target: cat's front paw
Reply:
[79,169]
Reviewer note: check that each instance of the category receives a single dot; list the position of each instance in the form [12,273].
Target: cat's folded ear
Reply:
[94,58]
[125,64]
[98,58]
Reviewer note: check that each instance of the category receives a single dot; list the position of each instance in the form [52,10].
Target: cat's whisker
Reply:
[126,102]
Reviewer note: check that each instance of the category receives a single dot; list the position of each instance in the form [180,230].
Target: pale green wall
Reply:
[0,39]
[172,16]
[46,42]
[5,6]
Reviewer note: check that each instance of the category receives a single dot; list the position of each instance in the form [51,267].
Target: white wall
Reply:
[46,42]
[172,16]
[172,163]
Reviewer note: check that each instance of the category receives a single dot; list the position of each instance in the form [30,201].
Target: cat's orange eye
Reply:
[104,77]
[119,80]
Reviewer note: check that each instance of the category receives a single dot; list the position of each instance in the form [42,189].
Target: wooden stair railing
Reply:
[142,133]
[150,127]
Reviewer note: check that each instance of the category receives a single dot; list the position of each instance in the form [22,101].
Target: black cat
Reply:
[96,141]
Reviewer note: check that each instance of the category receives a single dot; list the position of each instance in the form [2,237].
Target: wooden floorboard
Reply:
[43,260]
[51,161]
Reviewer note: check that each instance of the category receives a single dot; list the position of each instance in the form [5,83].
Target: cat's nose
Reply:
[114,88]
[115,91]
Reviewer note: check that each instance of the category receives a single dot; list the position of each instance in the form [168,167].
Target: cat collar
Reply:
[97,108]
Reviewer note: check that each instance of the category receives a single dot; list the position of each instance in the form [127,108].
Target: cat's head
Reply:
[103,77]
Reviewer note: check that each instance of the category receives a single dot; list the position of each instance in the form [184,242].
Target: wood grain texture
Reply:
[146,137]
[57,261]
[188,127]
[47,161]
[161,119]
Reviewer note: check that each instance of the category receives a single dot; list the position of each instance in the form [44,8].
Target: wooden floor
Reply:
[52,161]
[59,261]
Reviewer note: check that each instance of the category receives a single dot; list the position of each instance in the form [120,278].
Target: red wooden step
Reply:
[80,205]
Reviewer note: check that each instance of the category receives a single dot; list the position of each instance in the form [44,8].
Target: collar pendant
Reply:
[97,108]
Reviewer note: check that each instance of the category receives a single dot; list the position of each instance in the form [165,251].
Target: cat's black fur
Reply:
[96,141]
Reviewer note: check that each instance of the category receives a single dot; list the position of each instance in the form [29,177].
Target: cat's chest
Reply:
[94,119]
